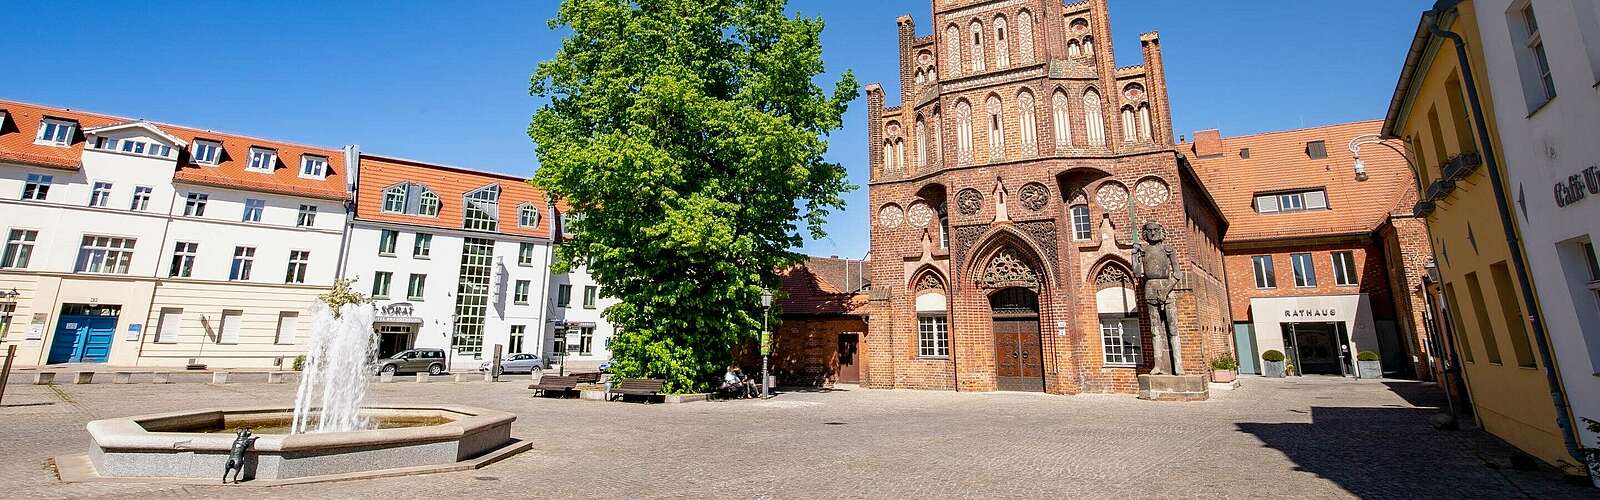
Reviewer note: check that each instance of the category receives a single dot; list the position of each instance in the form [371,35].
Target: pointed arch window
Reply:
[1002,46]
[977,47]
[938,138]
[1025,36]
[1027,123]
[944,226]
[1074,49]
[1061,120]
[410,198]
[997,132]
[952,49]
[1145,129]
[964,132]
[1088,46]
[888,157]
[922,143]
[1129,125]
[482,209]
[900,154]
[1092,119]
[1118,308]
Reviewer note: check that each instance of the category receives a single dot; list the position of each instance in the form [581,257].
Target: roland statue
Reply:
[1155,263]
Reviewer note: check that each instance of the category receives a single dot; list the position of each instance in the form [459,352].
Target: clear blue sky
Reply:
[449,83]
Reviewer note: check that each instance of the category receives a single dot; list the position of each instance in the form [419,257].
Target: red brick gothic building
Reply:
[1003,190]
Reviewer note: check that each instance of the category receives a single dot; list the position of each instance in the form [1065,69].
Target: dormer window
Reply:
[482,210]
[1317,150]
[313,167]
[262,160]
[527,215]
[139,147]
[1293,201]
[53,132]
[410,198]
[206,152]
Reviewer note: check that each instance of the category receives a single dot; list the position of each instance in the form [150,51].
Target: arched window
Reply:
[410,198]
[1092,120]
[933,322]
[922,144]
[1002,47]
[977,47]
[1027,123]
[888,157]
[1088,46]
[1144,122]
[1061,120]
[527,215]
[997,132]
[1082,228]
[938,138]
[952,49]
[964,132]
[394,199]
[428,204]
[1118,310]
[900,153]
[1074,50]
[944,226]
[1025,36]
[921,78]
[1129,127]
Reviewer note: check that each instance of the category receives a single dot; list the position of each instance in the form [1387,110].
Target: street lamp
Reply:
[766,340]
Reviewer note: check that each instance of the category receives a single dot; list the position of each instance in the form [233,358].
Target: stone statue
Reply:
[235,463]
[1156,264]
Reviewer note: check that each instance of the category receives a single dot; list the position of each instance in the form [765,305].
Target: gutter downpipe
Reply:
[1491,161]
[352,161]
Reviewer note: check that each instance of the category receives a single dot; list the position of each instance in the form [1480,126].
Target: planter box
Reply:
[1272,369]
[1223,376]
[1369,369]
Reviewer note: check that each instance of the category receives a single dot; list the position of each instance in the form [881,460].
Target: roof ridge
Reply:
[448,166]
[1287,131]
[97,114]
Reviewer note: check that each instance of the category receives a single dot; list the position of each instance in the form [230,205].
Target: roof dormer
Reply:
[138,138]
[56,132]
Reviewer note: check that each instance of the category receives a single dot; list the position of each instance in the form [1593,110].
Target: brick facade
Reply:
[938,175]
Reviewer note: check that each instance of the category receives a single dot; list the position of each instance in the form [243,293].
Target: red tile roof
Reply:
[451,184]
[1278,162]
[16,145]
[810,294]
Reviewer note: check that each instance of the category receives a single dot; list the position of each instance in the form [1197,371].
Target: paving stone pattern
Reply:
[1307,438]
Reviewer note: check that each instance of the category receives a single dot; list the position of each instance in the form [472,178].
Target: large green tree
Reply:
[690,135]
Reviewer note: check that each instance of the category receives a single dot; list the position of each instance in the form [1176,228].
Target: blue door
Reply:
[83,339]
[1244,341]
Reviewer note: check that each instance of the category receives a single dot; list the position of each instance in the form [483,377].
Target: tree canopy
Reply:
[690,135]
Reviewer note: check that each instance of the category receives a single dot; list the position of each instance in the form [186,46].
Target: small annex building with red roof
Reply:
[820,338]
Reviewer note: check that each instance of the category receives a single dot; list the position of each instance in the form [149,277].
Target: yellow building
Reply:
[1486,310]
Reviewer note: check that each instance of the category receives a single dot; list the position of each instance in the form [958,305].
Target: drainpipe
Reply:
[352,162]
[1491,162]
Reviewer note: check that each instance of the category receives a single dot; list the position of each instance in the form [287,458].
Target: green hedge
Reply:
[1367,356]
[1272,355]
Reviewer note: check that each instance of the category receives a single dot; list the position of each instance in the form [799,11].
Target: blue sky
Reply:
[449,83]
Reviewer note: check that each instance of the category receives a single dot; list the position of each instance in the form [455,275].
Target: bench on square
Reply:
[562,386]
[647,388]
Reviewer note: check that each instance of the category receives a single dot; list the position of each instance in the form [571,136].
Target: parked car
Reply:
[414,361]
[516,363]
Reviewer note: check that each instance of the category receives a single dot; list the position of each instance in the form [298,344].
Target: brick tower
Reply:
[1001,191]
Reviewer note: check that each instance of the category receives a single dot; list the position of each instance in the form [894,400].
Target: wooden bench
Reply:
[647,388]
[563,386]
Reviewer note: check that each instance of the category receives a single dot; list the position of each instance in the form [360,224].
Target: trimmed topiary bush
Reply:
[1273,355]
[1367,356]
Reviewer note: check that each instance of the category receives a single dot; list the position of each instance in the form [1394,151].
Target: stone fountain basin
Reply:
[173,445]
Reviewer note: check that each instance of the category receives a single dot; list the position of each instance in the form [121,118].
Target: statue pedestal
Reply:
[1173,387]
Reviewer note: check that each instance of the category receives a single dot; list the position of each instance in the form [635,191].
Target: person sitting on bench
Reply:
[735,384]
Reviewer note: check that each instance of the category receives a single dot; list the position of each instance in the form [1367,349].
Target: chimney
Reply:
[1208,143]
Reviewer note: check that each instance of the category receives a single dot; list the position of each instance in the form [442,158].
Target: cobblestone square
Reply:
[1271,438]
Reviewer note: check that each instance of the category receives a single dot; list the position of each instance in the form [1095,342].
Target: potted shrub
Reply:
[1367,365]
[1272,363]
[1224,368]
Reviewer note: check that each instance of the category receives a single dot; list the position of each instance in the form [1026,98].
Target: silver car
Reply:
[516,363]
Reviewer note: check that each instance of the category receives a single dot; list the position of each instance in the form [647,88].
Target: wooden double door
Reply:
[1018,354]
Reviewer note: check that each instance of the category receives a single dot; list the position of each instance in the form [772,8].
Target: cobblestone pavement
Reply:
[1270,438]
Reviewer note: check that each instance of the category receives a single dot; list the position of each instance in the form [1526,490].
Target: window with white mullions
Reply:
[206,152]
[1305,272]
[1266,276]
[37,186]
[386,242]
[19,249]
[262,160]
[933,336]
[244,258]
[53,132]
[422,246]
[1294,201]
[307,216]
[1119,340]
[253,209]
[299,260]
[514,344]
[141,198]
[105,254]
[380,284]
[416,286]
[194,204]
[313,166]
[1081,227]
[1344,269]
[183,254]
[482,209]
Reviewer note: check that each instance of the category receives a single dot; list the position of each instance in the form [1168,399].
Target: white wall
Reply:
[576,313]
[1355,311]
[1544,148]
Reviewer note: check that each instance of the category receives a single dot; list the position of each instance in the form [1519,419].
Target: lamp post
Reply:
[1361,166]
[766,340]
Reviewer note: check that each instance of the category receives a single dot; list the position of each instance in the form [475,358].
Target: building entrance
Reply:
[1317,348]
[395,338]
[84,333]
[1018,353]
[849,369]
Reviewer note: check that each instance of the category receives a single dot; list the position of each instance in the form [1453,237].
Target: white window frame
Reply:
[299,266]
[141,198]
[244,260]
[100,194]
[37,187]
[381,283]
[1344,269]
[1305,270]
[388,240]
[306,217]
[18,252]
[205,152]
[313,167]
[416,286]
[254,209]
[525,253]
[1266,275]
[933,336]
[56,132]
[1082,226]
[527,215]
[422,246]
[100,254]
[1119,341]
[262,160]
[183,256]
[519,292]
[486,201]
[194,204]
[591,296]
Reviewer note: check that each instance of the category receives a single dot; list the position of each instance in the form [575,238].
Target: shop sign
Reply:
[1578,186]
[1310,313]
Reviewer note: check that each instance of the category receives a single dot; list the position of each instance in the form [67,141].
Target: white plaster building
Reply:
[141,244]
[576,305]
[1543,63]
[456,259]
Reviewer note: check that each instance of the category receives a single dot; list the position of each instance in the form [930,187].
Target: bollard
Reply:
[123,378]
[219,378]
[44,378]
[422,377]
[160,378]
[5,371]
[386,377]
[274,377]
[83,378]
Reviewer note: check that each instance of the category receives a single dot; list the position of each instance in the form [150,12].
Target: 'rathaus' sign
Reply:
[1310,313]
[1578,186]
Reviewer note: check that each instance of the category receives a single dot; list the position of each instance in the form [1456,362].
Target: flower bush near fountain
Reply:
[331,434]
